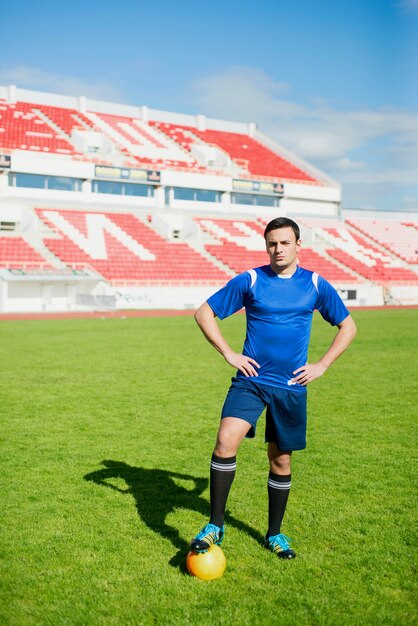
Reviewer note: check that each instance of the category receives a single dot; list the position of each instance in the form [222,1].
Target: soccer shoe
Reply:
[280,545]
[209,535]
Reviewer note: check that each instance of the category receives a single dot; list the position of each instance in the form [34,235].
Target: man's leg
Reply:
[222,473]
[223,464]
[278,486]
[278,493]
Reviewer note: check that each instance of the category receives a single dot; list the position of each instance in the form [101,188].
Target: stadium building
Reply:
[107,206]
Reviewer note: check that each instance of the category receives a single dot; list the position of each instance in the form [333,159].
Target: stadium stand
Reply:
[16,253]
[122,248]
[36,126]
[357,253]
[144,208]
[66,119]
[22,129]
[399,238]
[130,129]
[241,247]
[244,150]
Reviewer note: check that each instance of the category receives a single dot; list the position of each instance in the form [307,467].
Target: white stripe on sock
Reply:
[276,485]
[223,467]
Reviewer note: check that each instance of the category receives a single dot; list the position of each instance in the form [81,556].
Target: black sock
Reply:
[278,490]
[222,474]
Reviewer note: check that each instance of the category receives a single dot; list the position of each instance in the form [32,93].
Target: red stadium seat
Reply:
[260,160]
[122,248]
[240,246]
[16,253]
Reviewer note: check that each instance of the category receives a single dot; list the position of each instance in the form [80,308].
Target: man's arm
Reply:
[206,321]
[345,335]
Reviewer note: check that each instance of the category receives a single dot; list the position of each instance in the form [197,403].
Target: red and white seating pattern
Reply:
[122,248]
[67,119]
[240,246]
[244,150]
[400,238]
[131,129]
[359,254]
[154,143]
[141,141]
[16,253]
[22,128]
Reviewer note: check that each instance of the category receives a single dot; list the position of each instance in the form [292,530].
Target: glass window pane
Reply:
[182,193]
[242,198]
[35,181]
[266,200]
[65,184]
[138,190]
[254,199]
[207,195]
[107,186]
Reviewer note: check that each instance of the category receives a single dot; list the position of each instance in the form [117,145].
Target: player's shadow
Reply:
[157,493]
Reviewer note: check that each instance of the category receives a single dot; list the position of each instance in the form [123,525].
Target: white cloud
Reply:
[408,6]
[347,164]
[28,77]
[367,147]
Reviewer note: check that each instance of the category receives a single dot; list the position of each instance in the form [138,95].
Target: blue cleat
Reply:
[209,535]
[280,545]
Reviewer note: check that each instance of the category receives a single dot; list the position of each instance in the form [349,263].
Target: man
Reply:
[272,371]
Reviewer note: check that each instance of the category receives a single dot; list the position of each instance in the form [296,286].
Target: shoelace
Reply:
[280,540]
[210,532]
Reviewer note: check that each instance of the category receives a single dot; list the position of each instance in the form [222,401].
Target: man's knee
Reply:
[280,461]
[230,434]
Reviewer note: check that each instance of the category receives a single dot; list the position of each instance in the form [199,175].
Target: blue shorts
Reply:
[285,415]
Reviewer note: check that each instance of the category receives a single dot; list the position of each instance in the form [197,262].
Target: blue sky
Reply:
[336,82]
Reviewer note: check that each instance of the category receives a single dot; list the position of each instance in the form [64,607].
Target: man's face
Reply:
[282,248]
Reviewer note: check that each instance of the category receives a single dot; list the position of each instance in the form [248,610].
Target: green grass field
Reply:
[107,428]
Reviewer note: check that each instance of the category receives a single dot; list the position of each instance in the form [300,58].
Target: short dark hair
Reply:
[282,222]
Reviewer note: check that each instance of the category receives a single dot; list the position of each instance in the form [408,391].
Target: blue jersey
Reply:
[279,318]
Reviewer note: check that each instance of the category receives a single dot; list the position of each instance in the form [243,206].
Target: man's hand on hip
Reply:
[309,372]
[243,363]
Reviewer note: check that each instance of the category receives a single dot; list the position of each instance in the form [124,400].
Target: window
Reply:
[65,184]
[122,188]
[254,199]
[28,180]
[139,190]
[196,195]
[183,193]
[41,181]
[107,186]
[206,195]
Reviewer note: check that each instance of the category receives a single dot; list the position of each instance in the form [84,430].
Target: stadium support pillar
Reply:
[226,198]
[86,186]
[71,293]
[46,291]
[144,113]
[201,122]
[160,197]
[82,104]
[4,183]
[12,96]
[3,295]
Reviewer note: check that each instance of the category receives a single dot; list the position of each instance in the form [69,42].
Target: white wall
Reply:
[33,297]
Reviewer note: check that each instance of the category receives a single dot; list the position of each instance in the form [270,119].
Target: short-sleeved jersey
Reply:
[279,317]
